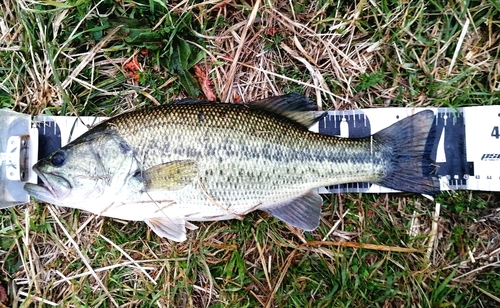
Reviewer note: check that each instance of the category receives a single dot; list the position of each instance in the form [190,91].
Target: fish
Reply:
[193,160]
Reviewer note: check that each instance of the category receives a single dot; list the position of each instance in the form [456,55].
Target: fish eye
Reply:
[58,158]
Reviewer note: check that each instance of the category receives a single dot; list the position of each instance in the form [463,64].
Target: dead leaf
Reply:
[272,31]
[132,65]
[237,98]
[134,76]
[205,83]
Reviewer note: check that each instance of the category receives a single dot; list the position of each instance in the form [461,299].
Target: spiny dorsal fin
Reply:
[292,106]
[188,101]
[286,103]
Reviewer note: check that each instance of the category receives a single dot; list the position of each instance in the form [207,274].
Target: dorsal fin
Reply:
[292,106]
[188,101]
[286,103]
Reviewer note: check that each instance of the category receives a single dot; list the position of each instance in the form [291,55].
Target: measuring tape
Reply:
[466,146]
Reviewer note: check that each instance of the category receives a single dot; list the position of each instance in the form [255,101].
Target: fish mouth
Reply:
[53,189]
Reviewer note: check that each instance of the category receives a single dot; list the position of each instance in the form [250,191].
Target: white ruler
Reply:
[466,146]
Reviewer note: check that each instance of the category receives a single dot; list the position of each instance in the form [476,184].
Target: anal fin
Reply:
[303,212]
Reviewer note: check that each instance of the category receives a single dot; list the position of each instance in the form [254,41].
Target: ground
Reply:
[101,58]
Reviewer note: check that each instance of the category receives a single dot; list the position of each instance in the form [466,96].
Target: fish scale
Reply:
[197,161]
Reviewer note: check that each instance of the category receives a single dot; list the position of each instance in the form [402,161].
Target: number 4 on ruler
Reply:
[495,133]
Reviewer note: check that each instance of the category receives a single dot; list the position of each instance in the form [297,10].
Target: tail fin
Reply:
[411,142]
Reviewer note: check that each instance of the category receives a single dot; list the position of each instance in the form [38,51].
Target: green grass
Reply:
[68,58]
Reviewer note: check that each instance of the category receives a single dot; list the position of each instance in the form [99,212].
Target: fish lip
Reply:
[47,191]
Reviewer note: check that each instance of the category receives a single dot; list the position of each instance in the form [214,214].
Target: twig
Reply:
[335,226]
[361,246]
[37,298]
[459,45]
[283,271]
[434,230]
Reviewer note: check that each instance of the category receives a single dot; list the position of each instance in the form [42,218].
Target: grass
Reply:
[77,58]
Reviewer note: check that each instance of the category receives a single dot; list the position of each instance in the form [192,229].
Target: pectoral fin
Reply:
[171,228]
[170,176]
[303,212]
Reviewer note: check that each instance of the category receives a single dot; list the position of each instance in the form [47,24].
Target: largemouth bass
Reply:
[201,161]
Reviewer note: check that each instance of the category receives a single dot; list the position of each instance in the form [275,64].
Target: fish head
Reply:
[85,174]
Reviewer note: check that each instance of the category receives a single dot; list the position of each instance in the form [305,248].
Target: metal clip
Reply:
[16,158]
